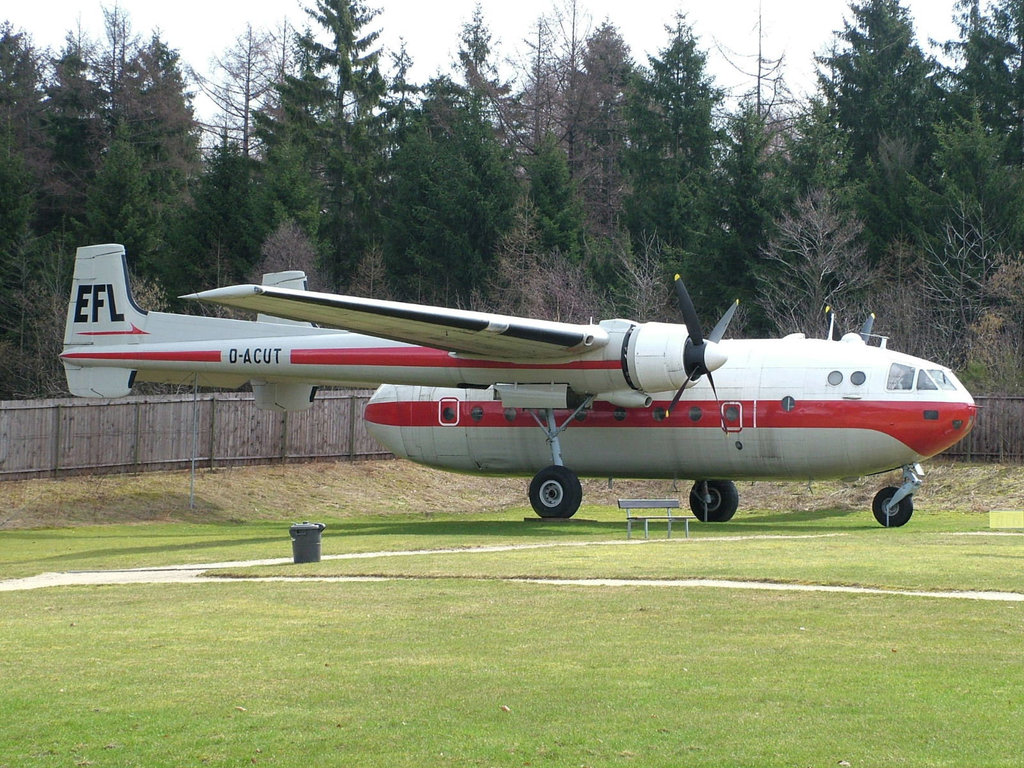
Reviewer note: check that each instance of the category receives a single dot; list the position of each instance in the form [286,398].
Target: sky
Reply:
[727,29]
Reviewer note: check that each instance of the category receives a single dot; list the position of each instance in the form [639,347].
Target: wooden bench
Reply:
[667,504]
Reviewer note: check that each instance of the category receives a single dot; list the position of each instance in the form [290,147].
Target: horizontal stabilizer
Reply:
[283,396]
[99,382]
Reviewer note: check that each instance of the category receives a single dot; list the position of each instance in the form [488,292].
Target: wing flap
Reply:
[478,334]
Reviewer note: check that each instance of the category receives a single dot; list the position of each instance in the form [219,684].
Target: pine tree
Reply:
[672,151]
[881,93]
[332,112]
[878,83]
[557,209]
[450,196]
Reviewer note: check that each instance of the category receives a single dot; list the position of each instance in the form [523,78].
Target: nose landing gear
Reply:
[892,506]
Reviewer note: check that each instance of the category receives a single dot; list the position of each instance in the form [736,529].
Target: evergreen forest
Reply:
[569,179]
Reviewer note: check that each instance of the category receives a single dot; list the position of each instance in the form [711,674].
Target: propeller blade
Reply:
[679,394]
[865,330]
[719,330]
[711,381]
[689,313]
[831,317]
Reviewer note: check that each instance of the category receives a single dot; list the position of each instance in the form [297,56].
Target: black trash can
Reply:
[306,541]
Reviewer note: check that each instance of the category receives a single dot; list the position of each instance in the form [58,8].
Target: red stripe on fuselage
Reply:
[200,356]
[427,357]
[904,421]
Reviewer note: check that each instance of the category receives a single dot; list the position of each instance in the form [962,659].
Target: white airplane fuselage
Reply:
[777,416]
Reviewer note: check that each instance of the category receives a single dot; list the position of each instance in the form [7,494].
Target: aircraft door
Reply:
[440,435]
[449,433]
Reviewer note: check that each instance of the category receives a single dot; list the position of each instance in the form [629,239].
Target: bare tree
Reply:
[246,75]
[814,261]
[954,287]
[597,164]
[997,353]
[370,278]
[532,283]
[647,293]
[286,248]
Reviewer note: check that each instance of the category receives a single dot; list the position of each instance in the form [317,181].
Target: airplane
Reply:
[485,393]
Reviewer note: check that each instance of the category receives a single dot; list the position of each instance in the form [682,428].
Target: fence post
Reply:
[137,447]
[56,440]
[351,424]
[284,436]
[213,427]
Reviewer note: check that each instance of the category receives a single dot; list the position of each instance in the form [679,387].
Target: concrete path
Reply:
[205,573]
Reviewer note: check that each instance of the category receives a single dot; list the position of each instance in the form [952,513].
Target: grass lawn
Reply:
[468,668]
[456,672]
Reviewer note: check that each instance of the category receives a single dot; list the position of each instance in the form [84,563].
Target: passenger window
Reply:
[858,378]
[900,377]
[835,378]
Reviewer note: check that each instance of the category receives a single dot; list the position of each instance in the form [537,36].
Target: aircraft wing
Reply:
[476,334]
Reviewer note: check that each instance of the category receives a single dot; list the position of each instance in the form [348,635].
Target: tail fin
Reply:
[101,308]
[101,312]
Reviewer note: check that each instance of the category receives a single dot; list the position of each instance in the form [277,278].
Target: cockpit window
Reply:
[943,379]
[924,381]
[900,377]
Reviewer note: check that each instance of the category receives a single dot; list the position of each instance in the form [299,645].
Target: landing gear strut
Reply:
[555,491]
[894,506]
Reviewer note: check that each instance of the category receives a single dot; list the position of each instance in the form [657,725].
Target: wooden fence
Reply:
[57,437]
[998,435]
[68,436]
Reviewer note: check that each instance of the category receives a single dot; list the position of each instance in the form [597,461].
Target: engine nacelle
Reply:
[627,399]
[654,357]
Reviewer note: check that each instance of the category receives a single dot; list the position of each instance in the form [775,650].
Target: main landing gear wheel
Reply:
[714,501]
[556,492]
[896,517]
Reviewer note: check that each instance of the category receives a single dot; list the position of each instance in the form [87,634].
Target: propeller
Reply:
[830,315]
[695,353]
[865,330]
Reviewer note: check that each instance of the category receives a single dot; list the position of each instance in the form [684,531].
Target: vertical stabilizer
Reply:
[101,309]
[101,312]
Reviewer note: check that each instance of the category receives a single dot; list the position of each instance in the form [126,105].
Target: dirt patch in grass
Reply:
[339,489]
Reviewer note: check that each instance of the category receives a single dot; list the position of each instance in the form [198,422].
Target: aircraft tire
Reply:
[725,500]
[903,510]
[555,492]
